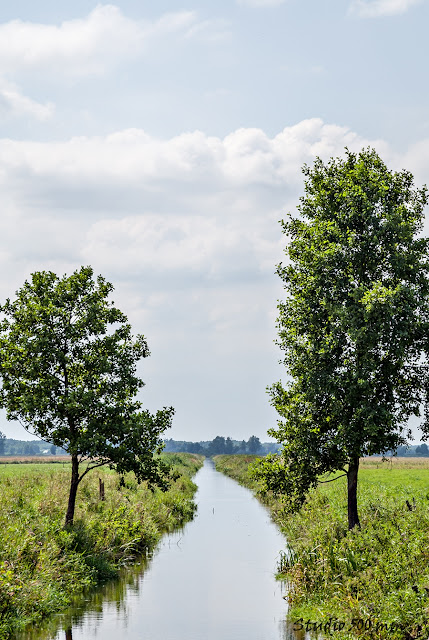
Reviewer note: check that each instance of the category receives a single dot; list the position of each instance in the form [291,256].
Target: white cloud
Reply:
[192,208]
[192,162]
[13,103]
[211,31]
[88,45]
[261,3]
[200,249]
[379,8]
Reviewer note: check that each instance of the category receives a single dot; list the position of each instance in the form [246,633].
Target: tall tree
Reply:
[229,446]
[352,326]
[68,367]
[217,446]
[2,443]
[254,445]
[422,450]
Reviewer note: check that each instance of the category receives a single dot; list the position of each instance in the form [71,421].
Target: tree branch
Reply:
[35,435]
[94,466]
[332,479]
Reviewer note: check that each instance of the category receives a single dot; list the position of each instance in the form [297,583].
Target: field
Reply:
[33,459]
[44,566]
[372,582]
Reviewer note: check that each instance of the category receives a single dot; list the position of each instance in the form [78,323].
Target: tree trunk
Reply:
[352,479]
[73,490]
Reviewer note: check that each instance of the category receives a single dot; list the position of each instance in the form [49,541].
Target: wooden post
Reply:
[101,488]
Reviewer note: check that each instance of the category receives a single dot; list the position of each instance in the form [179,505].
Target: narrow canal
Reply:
[213,580]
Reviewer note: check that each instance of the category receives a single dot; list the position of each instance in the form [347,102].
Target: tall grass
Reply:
[374,579]
[43,565]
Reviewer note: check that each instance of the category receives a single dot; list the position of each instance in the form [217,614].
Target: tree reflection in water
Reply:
[113,592]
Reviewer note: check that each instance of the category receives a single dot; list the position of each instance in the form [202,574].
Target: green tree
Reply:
[242,447]
[422,450]
[402,451]
[217,446]
[254,445]
[229,446]
[2,443]
[30,449]
[193,447]
[352,326]
[68,367]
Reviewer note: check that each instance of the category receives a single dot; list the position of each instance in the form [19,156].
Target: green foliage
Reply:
[44,566]
[68,367]
[353,324]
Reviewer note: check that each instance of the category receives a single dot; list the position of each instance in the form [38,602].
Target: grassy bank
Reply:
[43,566]
[236,467]
[374,580]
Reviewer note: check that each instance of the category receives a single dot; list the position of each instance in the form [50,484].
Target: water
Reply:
[213,580]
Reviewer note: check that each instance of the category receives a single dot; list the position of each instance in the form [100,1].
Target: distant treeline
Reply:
[221,445]
[412,451]
[10,447]
[419,450]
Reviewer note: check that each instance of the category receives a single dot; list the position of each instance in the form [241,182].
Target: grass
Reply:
[44,566]
[374,580]
[237,467]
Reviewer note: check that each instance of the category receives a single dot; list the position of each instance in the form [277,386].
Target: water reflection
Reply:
[214,580]
[286,632]
[113,594]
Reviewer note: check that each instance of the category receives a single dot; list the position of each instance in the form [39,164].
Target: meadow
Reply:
[44,566]
[372,582]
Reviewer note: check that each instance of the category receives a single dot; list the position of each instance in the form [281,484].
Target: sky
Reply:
[161,143]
